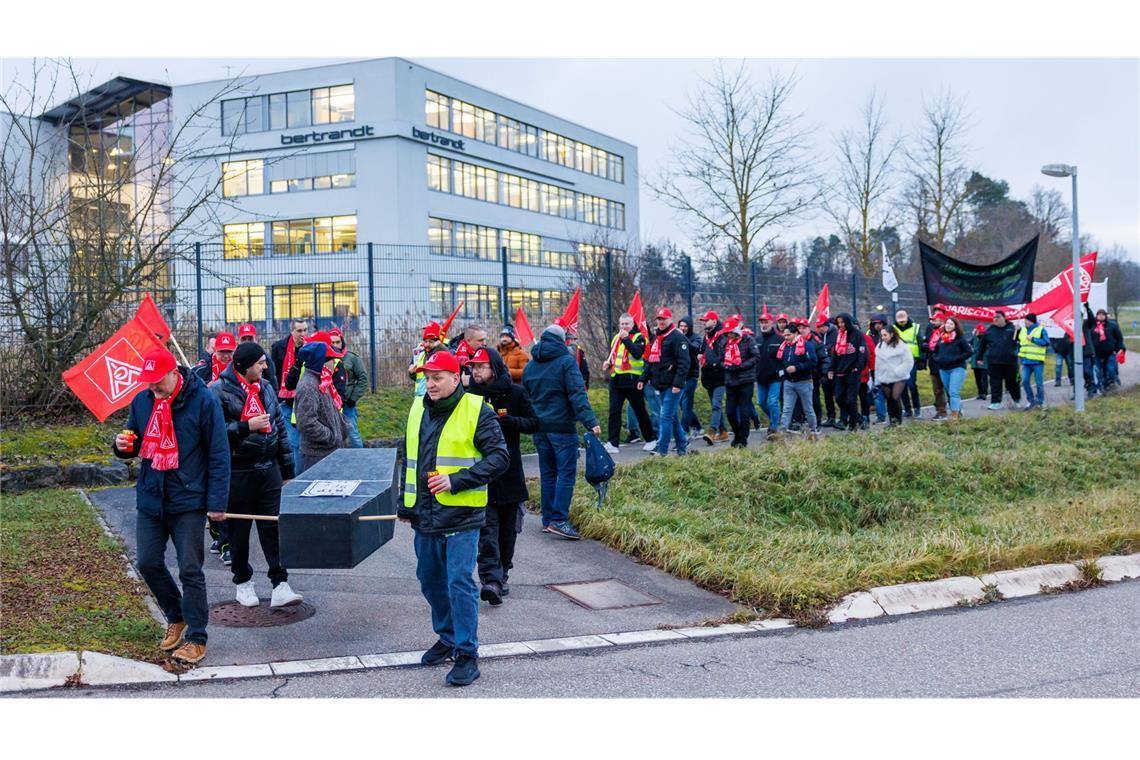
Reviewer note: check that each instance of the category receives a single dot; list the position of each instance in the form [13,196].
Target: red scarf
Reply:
[799,344]
[732,353]
[947,337]
[286,365]
[934,339]
[253,406]
[655,350]
[216,367]
[463,352]
[1100,331]
[328,388]
[160,445]
[841,344]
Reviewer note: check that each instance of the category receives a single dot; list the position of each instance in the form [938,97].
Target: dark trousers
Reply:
[184,530]
[618,396]
[910,399]
[738,405]
[865,401]
[892,394]
[939,391]
[255,492]
[1003,374]
[497,542]
[847,396]
[982,380]
[219,531]
[828,387]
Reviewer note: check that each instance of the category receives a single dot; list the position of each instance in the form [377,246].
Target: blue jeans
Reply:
[354,439]
[880,403]
[768,396]
[1064,360]
[185,531]
[557,469]
[716,399]
[952,380]
[1033,373]
[670,425]
[445,565]
[689,419]
[294,438]
[1105,368]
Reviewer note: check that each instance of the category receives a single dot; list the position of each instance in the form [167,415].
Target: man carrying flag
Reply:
[176,427]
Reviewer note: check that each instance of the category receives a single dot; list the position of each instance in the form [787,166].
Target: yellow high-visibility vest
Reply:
[455,452]
[909,336]
[1028,350]
[635,365]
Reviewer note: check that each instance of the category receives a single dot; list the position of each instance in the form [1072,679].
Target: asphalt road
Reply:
[1081,644]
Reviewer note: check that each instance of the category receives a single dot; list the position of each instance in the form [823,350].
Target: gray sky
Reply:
[1024,113]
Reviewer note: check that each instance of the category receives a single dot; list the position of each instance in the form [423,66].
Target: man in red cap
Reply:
[424,349]
[317,407]
[283,354]
[712,376]
[454,449]
[247,333]
[176,427]
[224,345]
[666,369]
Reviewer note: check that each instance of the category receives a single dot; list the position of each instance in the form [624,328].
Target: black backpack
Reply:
[599,466]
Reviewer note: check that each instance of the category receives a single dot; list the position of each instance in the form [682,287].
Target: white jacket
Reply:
[893,365]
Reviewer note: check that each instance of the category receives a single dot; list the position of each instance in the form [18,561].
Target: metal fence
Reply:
[382,295]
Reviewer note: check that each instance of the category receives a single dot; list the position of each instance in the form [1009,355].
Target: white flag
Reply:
[890,282]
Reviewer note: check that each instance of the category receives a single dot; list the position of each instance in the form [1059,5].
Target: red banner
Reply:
[821,312]
[569,318]
[151,318]
[1059,293]
[522,329]
[107,379]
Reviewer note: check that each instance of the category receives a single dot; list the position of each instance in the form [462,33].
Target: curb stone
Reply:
[46,670]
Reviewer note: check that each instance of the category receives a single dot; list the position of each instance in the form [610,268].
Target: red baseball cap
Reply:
[940,315]
[247,329]
[225,341]
[432,330]
[821,320]
[766,316]
[782,316]
[664,313]
[325,337]
[710,315]
[440,361]
[336,331]
[731,324]
[157,364]
[480,357]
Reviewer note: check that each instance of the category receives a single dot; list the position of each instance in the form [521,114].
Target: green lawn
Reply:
[63,583]
[792,528]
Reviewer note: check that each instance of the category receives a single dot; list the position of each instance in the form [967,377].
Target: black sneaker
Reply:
[564,529]
[216,547]
[492,592]
[226,559]
[439,653]
[635,439]
[466,670]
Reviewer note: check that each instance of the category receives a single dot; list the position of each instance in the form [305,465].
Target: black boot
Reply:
[466,670]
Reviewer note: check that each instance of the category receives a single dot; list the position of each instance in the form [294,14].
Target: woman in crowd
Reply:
[951,352]
[893,363]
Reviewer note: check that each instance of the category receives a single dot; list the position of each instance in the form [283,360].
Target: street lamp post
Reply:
[1065,170]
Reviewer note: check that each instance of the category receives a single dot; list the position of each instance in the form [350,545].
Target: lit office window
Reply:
[322,234]
[463,118]
[245,305]
[439,235]
[322,183]
[485,125]
[475,241]
[243,178]
[437,110]
[301,239]
[338,300]
[439,173]
[344,233]
[522,247]
[343,180]
[298,108]
[243,240]
[279,186]
[480,301]
[342,103]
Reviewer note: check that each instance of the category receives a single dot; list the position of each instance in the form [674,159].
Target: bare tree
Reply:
[87,212]
[860,200]
[936,193]
[743,168]
[1050,211]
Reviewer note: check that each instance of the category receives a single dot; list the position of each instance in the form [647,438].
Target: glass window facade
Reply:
[240,241]
[243,178]
[452,238]
[291,237]
[481,183]
[288,110]
[454,115]
[245,305]
[480,301]
[321,300]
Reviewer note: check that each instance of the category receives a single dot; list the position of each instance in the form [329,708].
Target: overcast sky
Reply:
[1024,113]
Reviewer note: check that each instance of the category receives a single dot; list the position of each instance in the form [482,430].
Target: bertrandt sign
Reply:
[305,138]
[433,138]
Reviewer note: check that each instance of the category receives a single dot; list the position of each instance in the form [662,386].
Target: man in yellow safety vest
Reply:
[454,448]
[1032,341]
[908,332]
[625,365]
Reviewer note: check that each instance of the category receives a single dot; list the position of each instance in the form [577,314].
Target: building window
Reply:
[480,301]
[243,115]
[286,110]
[245,305]
[320,235]
[241,241]
[336,301]
[333,105]
[298,108]
[437,111]
[439,173]
[243,178]
[439,236]
[277,118]
[522,247]
[344,233]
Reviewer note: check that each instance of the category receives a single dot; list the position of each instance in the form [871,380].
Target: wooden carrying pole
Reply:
[274,518]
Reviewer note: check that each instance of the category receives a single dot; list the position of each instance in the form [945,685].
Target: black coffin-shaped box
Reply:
[325,531]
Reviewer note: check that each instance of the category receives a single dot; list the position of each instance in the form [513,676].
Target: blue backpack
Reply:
[599,466]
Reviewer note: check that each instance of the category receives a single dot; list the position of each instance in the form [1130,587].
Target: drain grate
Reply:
[608,594]
[234,615]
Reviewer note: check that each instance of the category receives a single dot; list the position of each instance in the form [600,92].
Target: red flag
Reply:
[822,309]
[637,311]
[151,318]
[569,318]
[522,329]
[447,322]
[107,379]
[1064,317]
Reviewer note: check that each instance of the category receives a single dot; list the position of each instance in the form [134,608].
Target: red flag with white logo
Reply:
[569,318]
[107,379]
[522,329]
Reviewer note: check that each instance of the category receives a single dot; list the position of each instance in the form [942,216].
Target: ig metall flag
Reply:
[890,282]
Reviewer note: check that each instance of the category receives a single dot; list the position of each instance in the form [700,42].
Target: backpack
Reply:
[599,466]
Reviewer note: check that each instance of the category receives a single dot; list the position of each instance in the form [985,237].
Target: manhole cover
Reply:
[234,615]
[610,594]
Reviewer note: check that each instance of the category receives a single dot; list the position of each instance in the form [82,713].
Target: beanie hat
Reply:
[558,330]
[246,355]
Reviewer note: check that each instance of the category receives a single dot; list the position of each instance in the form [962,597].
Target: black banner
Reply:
[1007,282]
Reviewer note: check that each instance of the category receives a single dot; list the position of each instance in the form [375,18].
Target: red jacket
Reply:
[869,367]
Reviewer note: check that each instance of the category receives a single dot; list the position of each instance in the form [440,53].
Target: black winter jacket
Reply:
[501,393]
[745,372]
[673,368]
[850,361]
[804,363]
[951,355]
[1113,338]
[250,450]
[696,348]
[998,345]
[428,515]
[712,374]
[767,365]
[276,361]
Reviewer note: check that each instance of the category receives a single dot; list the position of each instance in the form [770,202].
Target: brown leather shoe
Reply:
[173,635]
[721,437]
[190,652]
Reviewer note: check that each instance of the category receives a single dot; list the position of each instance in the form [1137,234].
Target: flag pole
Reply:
[178,348]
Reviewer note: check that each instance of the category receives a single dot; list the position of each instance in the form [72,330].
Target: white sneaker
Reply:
[283,596]
[247,595]
[610,448]
[649,446]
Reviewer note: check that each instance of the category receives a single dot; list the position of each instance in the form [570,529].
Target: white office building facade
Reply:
[438,175]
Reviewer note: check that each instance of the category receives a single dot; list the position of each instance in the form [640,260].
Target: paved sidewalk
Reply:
[377,606]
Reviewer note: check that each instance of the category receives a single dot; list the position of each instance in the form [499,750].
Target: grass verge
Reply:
[794,528]
[63,585]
